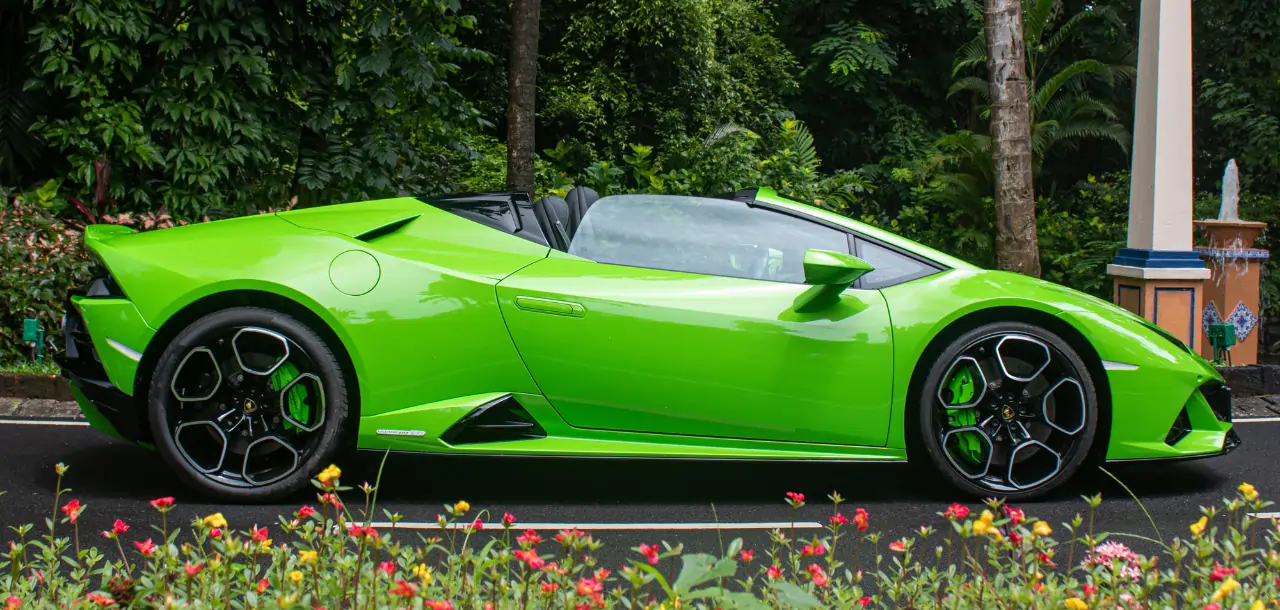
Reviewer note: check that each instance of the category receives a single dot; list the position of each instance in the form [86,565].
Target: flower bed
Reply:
[325,556]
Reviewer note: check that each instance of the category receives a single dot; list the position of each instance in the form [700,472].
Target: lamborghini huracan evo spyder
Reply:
[250,351]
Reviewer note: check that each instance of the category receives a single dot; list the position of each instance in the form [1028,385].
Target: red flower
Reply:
[839,519]
[259,534]
[864,601]
[387,567]
[360,531]
[650,552]
[549,587]
[162,503]
[404,589]
[306,511]
[566,535]
[72,510]
[331,498]
[819,576]
[102,599]
[601,574]
[439,605]
[588,586]
[1046,559]
[192,570]
[1014,514]
[1015,538]
[529,537]
[477,525]
[146,548]
[747,555]
[809,550]
[508,519]
[13,602]
[796,500]
[861,519]
[530,558]
[956,511]
[118,528]
[262,585]
[1089,590]
[215,533]
[1213,606]
[774,572]
[1220,573]
[1039,587]
[897,546]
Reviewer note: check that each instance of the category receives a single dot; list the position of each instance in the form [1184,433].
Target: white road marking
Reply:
[588,527]
[1256,420]
[1265,515]
[43,422]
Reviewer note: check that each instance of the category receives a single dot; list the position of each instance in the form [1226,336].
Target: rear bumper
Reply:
[103,404]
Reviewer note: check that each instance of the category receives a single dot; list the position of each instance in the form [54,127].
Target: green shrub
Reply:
[992,556]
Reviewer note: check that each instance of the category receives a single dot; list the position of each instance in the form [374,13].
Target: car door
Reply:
[676,315]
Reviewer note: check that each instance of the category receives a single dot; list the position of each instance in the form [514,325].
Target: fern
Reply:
[855,49]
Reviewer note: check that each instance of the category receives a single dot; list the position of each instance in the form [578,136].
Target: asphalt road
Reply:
[624,499]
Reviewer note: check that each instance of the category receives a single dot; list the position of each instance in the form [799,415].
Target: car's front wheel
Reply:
[246,404]
[1008,410]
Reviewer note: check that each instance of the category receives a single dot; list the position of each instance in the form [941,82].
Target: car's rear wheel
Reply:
[1008,410]
[246,404]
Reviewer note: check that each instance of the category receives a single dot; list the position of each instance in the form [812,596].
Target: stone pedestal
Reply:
[1170,297]
[1232,292]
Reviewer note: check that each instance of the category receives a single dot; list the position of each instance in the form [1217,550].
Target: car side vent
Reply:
[496,421]
[1181,428]
[385,230]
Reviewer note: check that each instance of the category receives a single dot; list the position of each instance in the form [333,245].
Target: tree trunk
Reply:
[522,93]
[1016,243]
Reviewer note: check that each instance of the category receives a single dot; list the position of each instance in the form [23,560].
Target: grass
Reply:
[29,367]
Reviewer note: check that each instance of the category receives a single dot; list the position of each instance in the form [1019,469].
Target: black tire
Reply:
[245,344]
[1023,413]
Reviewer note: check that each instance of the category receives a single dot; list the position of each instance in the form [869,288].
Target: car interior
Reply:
[560,218]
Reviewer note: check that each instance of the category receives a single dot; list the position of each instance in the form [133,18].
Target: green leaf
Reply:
[792,595]
[701,568]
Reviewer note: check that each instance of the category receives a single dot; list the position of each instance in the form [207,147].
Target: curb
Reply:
[1252,380]
[50,387]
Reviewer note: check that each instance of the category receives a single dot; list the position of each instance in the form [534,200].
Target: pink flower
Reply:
[839,519]
[439,605]
[258,534]
[146,548]
[529,537]
[774,572]
[1107,553]
[119,527]
[387,567]
[549,587]
[1220,573]
[477,525]
[306,511]
[13,602]
[810,550]
[956,511]
[601,574]
[102,599]
[588,586]
[404,589]
[818,574]
[747,555]
[1089,590]
[530,558]
[897,546]
[215,532]
[162,503]
[192,570]
[1213,606]
[72,510]
[1015,515]
[649,552]
[861,519]
[796,500]
[508,519]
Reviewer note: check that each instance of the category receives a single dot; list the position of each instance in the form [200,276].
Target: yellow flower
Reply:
[1042,528]
[332,473]
[1228,585]
[1248,491]
[307,557]
[980,527]
[215,520]
[266,544]
[461,507]
[1076,603]
[1258,605]
[987,517]
[423,573]
[1198,527]
[295,576]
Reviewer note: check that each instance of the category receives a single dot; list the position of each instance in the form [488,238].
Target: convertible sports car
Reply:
[248,352]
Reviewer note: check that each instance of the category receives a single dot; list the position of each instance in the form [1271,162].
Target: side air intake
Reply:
[500,420]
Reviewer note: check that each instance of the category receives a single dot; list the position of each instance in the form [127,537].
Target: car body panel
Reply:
[679,353]
[441,315]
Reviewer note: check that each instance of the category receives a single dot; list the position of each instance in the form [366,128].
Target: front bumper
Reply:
[104,405]
[1203,428]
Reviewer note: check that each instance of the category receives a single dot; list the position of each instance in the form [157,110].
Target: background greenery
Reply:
[146,110]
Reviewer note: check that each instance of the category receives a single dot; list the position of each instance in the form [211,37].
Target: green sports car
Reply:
[250,351]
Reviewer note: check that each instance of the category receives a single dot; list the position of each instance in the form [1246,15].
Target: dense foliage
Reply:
[990,556]
[874,109]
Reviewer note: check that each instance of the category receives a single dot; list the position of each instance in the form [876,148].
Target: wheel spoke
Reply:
[1044,464]
[1066,401]
[964,385]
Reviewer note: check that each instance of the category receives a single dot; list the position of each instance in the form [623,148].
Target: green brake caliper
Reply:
[296,401]
[961,390]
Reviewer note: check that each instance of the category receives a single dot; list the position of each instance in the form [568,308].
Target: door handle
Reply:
[551,306]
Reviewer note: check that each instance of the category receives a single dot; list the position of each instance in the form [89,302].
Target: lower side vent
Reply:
[500,420]
[1181,428]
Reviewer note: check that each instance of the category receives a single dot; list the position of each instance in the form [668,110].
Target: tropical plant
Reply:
[1062,109]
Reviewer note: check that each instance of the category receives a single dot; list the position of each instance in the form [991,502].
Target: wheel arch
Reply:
[1069,333]
[239,298]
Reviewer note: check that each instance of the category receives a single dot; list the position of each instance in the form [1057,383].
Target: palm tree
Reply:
[1062,111]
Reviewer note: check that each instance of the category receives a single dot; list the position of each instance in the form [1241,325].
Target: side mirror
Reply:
[830,273]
